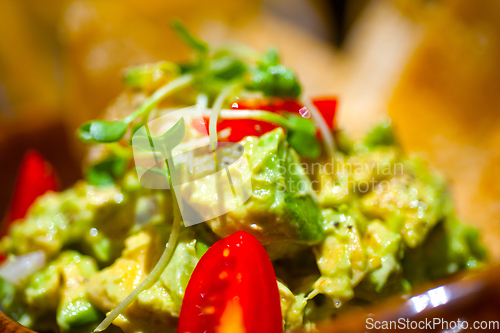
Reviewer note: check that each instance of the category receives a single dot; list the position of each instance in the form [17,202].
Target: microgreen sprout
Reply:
[167,143]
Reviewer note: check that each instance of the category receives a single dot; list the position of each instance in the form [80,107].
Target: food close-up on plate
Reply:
[259,167]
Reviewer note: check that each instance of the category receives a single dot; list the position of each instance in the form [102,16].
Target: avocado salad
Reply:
[345,223]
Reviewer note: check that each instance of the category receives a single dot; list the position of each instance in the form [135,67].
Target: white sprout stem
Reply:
[266,116]
[153,276]
[241,50]
[158,95]
[323,126]
[212,127]
[262,115]
[202,101]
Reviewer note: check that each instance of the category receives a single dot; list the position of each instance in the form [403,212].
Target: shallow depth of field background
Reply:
[432,65]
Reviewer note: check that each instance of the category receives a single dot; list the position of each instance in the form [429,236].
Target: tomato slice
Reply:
[327,106]
[240,128]
[36,176]
[233,289]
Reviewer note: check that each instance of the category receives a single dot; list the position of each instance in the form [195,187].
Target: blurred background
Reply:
[432,65]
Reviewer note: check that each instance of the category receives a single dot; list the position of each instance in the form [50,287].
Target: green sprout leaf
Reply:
[195,43]
[298,123]
[304,144]
[270,58]
[135,128]
[84,133]
[302,136]
[227,67]
[272,78]
[154,177]
[164,143]
[380,135]
[146,76]
[276,81]
[106,171]
[107,131]
[171,138]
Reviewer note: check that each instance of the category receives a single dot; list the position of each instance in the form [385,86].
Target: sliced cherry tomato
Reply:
[279,105]
[241,128]
[201,125]
[256,104]
[238,129]
[327,106]
[36,176]
[233,289]
[248,127]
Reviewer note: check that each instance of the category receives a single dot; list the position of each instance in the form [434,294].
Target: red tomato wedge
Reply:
[327,106]
[36,176]
[240,128]
[233,289]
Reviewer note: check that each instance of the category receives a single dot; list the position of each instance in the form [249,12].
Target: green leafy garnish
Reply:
[270,58]
[84,133]
[274,80]
[380,135]
[227,67]
[302,136]
[109,167]
[195,43]
[106,171]
[168,141]
[145,76]
[107,131]
[217,74]
[171,138]
[301,132]
[164,143]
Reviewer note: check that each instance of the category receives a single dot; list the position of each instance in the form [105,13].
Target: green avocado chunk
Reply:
[61,286]
[161,302]
[452,246]
[414,196]
[282,210]
[12,304]
[385,185]
[358,258]
[57,291]
[92,219]
[380,135]
[341,256]
[75,310]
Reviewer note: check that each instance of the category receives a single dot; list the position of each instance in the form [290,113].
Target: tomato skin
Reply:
[327,106]
[36,176]
[234,268]
[240,129]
